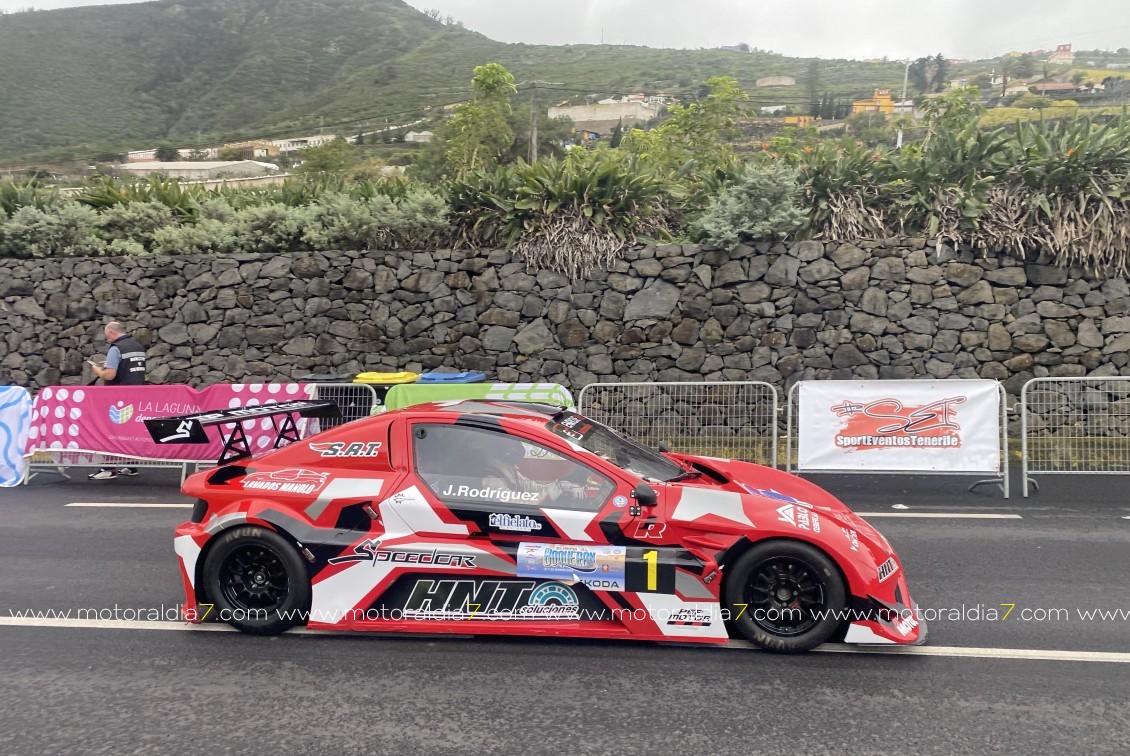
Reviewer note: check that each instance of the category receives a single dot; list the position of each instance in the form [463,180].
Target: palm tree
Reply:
[1009,68]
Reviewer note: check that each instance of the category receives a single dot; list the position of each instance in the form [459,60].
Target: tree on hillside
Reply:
[813,85]
[954,111]
[617,134]
[552,134]
[479,133]
[332,157]
[1025,65]
[1016,67]
[981,80]
[697,135]
[929,74]
[167,154]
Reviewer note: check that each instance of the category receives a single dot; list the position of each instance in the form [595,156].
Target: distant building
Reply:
[418,136]
[255,148]
[906,107]
[880,103]
[602,118]
[302,143]
[800,121]
[140,156]
[200,170]
[1053,87]
[1016,88]
[199,153]
[1062,54]
[771,109]
[776,81]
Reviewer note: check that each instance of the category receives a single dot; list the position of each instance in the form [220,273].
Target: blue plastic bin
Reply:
[467,376]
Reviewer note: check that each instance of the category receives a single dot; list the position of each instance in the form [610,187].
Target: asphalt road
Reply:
[94,690]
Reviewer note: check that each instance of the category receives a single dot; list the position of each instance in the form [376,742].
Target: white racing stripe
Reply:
[127,505]
[944,515]
[957,652]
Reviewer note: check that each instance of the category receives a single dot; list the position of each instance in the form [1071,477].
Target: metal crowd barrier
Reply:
[355,400]
[56,462]
[727,419]
[1075,426]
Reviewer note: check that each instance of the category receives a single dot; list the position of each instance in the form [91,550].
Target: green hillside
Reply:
[104,78]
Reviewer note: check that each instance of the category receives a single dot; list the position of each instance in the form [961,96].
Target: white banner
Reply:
[15,420]
[935,426]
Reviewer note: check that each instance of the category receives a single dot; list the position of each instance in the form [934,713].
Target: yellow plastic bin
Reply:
[382,382]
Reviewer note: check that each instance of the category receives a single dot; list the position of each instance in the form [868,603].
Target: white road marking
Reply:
[944,515]
[127,505]
[1023,654]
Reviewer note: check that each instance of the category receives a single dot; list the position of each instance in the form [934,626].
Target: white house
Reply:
[199,170]
[601,118]
[302,143]
[418,136]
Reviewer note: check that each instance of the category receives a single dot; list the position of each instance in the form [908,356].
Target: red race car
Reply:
[513,518]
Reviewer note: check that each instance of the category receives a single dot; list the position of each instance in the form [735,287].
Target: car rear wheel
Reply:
[257,581]
[785,596]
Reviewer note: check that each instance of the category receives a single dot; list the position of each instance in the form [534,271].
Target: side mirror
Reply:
[645,495]
[663,448]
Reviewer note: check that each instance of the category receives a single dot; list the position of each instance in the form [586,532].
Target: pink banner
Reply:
[109,419]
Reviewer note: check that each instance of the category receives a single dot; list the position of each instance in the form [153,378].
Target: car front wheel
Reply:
[785,596]
[257,581]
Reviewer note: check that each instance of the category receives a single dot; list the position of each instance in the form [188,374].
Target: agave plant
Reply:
[1067,195]
[182,199]
[27,193]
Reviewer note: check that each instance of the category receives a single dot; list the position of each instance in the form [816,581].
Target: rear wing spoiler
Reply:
[189,429]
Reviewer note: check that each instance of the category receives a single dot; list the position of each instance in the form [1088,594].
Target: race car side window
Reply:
[466,465]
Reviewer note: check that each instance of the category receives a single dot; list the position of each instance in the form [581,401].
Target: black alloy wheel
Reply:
[785,596]
[257,581]
[253,577]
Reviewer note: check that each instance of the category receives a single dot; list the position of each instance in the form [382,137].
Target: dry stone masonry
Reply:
[667,312]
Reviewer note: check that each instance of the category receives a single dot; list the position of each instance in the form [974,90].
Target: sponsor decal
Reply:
[620,502]
[184,430]
[291,480]
[889,424]
[121,415]
[571,426]
[506,600]
[887,568]
[649,528]
[771,493]
[852,536]
[689,618]
[518,523]
[494,494]
[596,567]
[799,517]
[907,624]
[342,449]
[369,551]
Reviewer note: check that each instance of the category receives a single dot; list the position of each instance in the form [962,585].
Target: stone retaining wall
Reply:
[667,312]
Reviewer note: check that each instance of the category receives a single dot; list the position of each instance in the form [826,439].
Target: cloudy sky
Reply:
[824,28]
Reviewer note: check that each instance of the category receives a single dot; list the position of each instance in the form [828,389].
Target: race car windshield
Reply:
[610,445]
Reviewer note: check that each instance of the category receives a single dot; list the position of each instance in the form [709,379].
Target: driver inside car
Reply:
[503,470]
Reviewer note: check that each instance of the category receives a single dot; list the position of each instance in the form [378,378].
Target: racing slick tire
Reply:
[785,596]
[257,581]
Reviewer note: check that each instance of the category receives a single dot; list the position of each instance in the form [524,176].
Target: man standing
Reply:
[124,366]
